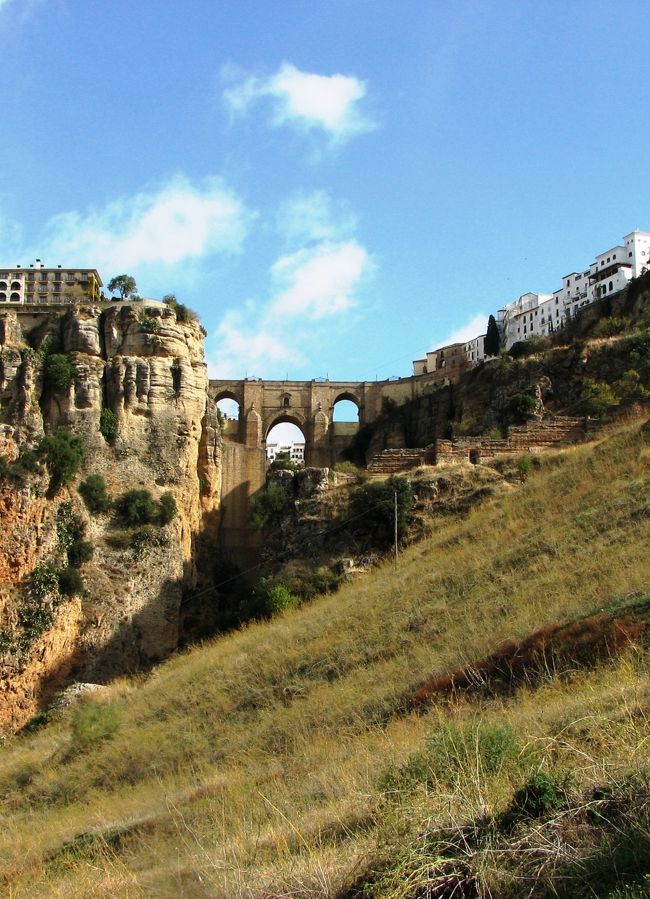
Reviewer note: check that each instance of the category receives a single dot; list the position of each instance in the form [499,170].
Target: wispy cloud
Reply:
[318,281]
[305,287]
[473,328]
[306,101]
[308,216]
[173,224]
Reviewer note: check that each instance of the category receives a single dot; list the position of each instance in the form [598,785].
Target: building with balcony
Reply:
[293,451]
[38,285]
[611,272]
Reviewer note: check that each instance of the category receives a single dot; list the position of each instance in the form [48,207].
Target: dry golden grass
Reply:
[253,766]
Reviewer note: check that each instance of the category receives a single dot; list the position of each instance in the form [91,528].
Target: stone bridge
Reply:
[310,406]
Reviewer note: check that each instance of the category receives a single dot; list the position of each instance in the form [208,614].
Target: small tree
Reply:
[492,338]
[597,398]
[123,284]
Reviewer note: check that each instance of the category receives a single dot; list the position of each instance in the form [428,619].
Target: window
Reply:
[614,256]
[611,286]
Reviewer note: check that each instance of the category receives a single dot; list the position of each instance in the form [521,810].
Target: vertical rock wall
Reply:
[149,371]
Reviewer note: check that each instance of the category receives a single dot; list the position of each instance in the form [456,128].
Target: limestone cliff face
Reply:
[148,370]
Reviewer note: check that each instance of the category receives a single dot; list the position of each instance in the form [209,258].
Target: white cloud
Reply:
[320,281]
[473,328]
[249,351]
[313,215]
[306,286]
[306,100]
[177,223]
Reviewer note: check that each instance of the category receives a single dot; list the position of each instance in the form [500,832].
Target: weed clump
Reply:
[93,723]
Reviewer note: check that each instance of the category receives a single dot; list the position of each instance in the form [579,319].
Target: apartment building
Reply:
[40,285]
[611,272]
[294,451]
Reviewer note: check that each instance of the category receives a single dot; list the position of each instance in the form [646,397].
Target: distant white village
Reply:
[294,451]
[543,313]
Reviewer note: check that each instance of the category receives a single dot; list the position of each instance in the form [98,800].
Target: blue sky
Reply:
[336,187]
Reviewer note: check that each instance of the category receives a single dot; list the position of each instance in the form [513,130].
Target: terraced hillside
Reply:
[472,723]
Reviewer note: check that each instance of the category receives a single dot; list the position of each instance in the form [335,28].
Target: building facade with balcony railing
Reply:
[38,285]
[540,314]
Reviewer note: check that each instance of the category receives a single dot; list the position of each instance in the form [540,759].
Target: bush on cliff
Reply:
[268,507]
[94,495]
[521,407]
[58,373]
[372,510]
[137,507]
[63,454]
[597,398]
[108,424]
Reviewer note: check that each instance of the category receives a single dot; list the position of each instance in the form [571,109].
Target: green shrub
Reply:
[69,526]
[119,539]
[43,581]
[93,492]
[521,407]
[312,583]
[183,313]
[27,463]
[33,620]
[268,507]
[149,322]
[276,596]
[609,327]
[467,425]
[137,507]
[63,453]
[58,373]
[542,794]
[346,467]
[92,723]
[283,462]
[108,424]
[80,551]
[524,467]
[70,530]
[70,581]
[597,398]
[168,508]
[534,344]
[629,387]
[453,753]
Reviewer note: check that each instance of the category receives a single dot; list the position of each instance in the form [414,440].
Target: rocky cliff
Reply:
[138,399]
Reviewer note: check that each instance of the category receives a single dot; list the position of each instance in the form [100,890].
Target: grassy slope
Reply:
[256,765]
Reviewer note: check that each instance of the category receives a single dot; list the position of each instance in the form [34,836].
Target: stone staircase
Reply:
[390,461]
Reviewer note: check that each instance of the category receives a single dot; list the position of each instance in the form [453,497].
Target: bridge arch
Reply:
[285,416]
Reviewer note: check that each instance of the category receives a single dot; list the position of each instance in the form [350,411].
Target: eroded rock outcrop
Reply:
[146,370]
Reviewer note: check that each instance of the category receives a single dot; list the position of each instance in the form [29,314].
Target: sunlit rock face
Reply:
[145,371]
